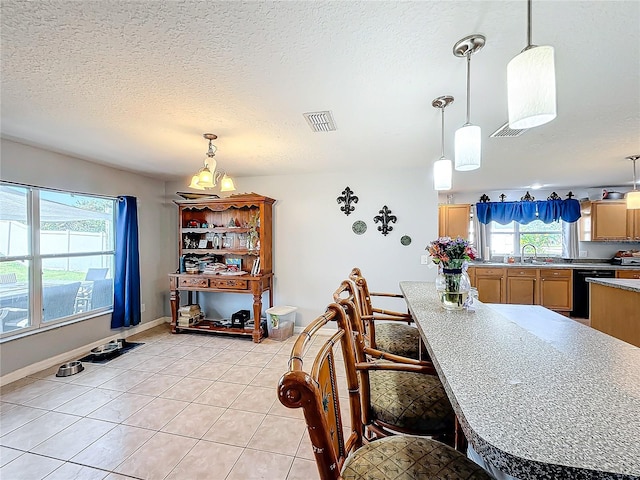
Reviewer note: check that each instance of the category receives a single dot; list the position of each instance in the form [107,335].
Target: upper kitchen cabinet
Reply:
[453,220]
[611,221]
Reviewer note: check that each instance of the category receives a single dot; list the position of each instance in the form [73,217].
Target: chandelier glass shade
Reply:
[531,84]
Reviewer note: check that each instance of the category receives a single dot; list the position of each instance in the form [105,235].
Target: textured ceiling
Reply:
[135,84]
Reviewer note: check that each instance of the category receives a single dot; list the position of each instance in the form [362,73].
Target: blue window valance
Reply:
[525,212]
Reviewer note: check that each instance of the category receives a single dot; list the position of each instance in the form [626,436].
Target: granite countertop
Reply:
[538,395]
[621,283]
[573,266]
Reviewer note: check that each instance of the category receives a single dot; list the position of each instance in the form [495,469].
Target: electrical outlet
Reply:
[583,254]
[424,259]
[142,307]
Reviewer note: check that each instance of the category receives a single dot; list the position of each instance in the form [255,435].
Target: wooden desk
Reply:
[538,395]
[248,284]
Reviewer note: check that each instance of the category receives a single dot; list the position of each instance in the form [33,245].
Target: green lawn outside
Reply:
[21,272]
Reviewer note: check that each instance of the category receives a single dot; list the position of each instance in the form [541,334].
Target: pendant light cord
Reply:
[634,173]
[442,140]
[468,85]
[529,24]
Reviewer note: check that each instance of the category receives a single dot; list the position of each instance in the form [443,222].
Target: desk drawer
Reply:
[231,283]
[199,282]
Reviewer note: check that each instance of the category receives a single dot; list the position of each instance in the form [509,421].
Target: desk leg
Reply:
[175,302]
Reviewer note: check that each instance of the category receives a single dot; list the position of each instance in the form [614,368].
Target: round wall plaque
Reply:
[359,227]
[405,240]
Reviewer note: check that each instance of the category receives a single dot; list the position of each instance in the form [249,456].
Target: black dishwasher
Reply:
[581,289]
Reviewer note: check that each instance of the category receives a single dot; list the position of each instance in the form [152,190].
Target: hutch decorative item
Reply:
[385,218]
[254,213]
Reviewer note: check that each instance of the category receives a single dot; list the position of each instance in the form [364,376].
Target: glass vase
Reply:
[453,285]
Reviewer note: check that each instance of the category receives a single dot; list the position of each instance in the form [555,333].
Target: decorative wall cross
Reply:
[347,198]
[385,218]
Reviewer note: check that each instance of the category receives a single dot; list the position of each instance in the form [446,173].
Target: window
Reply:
[509,239]
[56,257]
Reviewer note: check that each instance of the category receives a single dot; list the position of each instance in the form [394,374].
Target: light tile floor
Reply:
[181,407]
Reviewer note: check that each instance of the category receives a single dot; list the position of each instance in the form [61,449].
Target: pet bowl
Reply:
[105,349]
[70,368]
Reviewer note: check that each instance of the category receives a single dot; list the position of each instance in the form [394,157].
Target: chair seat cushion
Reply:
[401,457]
[399,339]
[410,401]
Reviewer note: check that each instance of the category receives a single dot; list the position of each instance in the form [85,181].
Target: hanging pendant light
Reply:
[442,168]
[468,140]
[633,197]
[207,177]
[531,84]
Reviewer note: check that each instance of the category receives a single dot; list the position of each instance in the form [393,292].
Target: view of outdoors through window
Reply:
[509,239]
[56,256]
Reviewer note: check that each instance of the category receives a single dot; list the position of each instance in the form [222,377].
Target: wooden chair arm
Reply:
[401,316]
[396,367]
[382,294]
[380,355]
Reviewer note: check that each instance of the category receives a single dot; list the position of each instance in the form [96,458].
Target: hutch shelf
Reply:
[235,231]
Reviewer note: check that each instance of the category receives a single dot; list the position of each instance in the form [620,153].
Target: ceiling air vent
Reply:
[505,131]
[320,121]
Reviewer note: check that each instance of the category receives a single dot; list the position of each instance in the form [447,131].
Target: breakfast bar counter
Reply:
[539,396]
[615,307]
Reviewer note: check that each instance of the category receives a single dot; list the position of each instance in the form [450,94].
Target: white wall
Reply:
[34,166]
[315,247]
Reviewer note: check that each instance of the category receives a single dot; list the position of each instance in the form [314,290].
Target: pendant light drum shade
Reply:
[531,88]
[633,200]
[468,145]
[442,174]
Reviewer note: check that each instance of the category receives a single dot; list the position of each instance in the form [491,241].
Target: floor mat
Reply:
[91,358]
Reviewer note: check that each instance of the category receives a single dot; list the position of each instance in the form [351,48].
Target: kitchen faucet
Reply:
[535,252]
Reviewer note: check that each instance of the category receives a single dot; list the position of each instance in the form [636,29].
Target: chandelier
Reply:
[207,177]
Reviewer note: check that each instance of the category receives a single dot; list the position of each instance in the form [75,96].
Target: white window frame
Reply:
[516,239]
[35,259]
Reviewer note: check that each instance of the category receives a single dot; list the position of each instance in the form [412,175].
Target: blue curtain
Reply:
[525,212]
[126,302]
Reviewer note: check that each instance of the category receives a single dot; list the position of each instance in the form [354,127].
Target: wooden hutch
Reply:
[239,228]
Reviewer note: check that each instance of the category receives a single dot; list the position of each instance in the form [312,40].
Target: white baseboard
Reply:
[59,359]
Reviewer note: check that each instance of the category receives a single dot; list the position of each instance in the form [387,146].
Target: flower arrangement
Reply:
[451,253]
[452,256]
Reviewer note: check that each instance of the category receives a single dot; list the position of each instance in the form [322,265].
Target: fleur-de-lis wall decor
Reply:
[385,218]
[347,198]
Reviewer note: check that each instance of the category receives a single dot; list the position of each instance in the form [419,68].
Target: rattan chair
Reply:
[387,330]
[344,453]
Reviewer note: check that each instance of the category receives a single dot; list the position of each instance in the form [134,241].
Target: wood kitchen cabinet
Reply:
[633,224]
[522,286]
[611,221]
[556,291]
[453,220]
[633,274]
[471,271]
[491,284]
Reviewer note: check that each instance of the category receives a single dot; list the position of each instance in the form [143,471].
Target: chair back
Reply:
[363,296]
[315,390]
[348,291]
[59,301]
[96,274]
[8,278]
[102,293]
